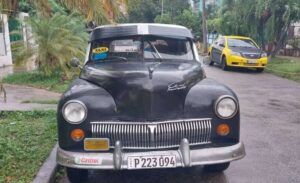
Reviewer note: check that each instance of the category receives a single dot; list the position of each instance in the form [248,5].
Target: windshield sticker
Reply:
[125,49]
[100,50]
[99,56]
[100,53]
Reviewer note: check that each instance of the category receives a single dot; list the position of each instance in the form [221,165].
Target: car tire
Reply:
[77,175]
[224,64]
[216,167]
[259,70]
[211,62]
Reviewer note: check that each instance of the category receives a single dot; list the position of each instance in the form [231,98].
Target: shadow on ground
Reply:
[192,175]
[238,70]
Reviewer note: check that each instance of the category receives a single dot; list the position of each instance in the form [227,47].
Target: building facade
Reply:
[5,48]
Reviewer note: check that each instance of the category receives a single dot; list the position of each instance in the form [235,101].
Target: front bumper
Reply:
[237,61]
[185,157]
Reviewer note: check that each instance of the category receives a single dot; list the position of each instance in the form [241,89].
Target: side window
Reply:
[216,42]
[222,42]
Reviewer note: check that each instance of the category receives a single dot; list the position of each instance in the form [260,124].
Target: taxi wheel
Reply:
[216,167]
[211,62]
[77,175]
[259,70]
[224,64]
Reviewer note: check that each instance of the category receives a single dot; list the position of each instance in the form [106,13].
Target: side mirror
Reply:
[75,62]
[222,45]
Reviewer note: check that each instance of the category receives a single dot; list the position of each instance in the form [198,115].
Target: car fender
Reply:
[100,105]
[200,99]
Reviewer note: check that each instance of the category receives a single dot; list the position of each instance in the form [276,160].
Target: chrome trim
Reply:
[74,101]
[154,135]
[184,150]
[118,159]
[118,155]
[219,100]
[150,123]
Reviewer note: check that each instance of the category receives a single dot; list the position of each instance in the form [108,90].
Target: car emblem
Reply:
[152,128]
[176,86]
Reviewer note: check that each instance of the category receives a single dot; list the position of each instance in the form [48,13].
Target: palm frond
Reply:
[57,39]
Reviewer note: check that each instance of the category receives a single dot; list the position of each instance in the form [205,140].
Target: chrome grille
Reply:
[154,135]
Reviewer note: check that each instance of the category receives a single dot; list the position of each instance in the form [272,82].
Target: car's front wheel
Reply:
[224,64]
[216,167]
[211,62]
[77,175]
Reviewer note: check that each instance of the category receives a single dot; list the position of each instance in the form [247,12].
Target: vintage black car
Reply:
[143,101]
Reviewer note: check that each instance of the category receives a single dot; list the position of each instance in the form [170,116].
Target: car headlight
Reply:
[235,53]
[226,107]
[74,111]
[264,55]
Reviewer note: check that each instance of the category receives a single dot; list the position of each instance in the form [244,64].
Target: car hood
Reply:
[146,91]
[246,50]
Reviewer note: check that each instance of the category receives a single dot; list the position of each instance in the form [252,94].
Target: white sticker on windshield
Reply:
[125,49]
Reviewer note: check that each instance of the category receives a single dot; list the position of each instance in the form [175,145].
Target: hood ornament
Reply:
[151,69]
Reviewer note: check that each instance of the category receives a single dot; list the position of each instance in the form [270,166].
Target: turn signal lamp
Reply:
[77,134]
[223,129]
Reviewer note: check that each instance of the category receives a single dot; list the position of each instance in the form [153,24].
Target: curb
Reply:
[46,173]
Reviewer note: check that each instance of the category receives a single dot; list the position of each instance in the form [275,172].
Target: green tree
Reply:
[174,12]
[187,18]
[142,11]
[55,41]
[100,11]
[190,20]
[164,19]
[8,6]
[267,21]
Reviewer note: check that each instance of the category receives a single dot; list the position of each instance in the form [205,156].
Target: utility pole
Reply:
[204,30]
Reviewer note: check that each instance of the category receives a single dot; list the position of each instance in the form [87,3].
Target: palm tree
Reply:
[56,40]
[100,11]
[8,7]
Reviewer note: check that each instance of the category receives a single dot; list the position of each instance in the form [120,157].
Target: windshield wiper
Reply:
[156,51]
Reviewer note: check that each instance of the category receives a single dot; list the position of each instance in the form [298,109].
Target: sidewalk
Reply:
[16,95]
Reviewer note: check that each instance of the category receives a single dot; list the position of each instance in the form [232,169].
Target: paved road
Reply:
[270,129]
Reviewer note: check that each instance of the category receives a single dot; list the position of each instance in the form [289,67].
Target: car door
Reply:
[218,50]
[213,50]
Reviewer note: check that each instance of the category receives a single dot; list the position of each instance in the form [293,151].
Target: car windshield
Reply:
[145,47]
[241,43]
[167,48]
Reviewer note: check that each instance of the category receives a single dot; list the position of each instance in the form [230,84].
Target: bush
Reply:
[54,42]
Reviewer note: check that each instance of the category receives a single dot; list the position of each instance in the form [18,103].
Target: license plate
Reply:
[96,144]
[146,162]
[251,61]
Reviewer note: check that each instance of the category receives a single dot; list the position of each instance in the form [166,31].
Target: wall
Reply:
[5,48]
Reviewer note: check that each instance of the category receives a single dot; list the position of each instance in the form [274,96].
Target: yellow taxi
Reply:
[237,51]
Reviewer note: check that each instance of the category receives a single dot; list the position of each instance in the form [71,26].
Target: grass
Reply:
[38,80]
[286,67]
[40,101]
[25,142]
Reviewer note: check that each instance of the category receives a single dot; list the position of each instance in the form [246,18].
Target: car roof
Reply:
[237,37]
[119,30]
